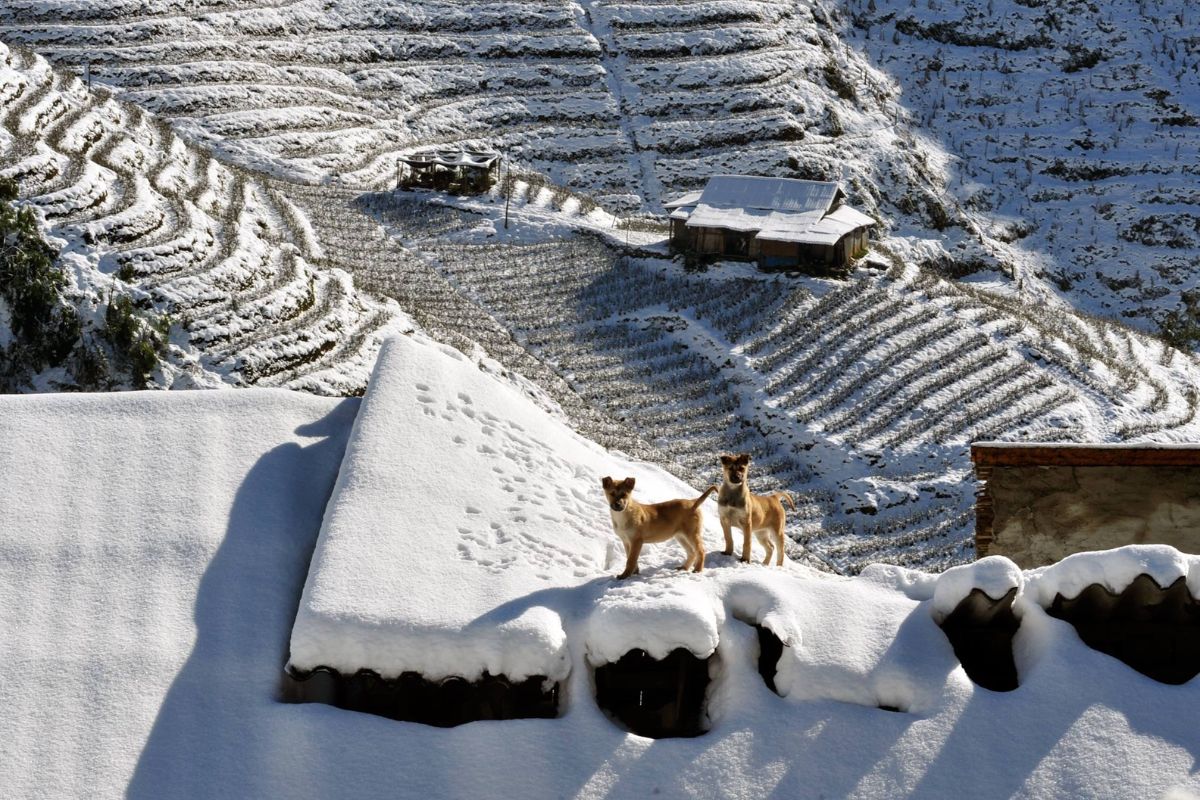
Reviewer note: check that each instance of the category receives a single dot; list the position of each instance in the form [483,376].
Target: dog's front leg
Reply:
[631,561]
[747,529]
[727,529]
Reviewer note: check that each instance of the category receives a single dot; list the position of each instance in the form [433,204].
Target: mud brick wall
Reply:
[1037,505]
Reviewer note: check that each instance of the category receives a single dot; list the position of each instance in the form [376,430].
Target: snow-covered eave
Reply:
[1115,570]
[779,226]
[689,199]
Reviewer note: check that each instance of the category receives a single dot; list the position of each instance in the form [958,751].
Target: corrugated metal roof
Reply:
[774,194]
[452,158]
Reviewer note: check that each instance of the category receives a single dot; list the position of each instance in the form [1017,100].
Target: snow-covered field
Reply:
[860,397]
[156,544]
[1075,134]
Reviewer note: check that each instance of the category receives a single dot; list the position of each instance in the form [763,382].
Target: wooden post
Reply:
[985,513]
[507,192]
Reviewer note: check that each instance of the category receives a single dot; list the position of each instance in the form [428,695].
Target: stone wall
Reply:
[1036,513]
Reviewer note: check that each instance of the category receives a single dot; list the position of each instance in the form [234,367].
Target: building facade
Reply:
[1037,504]
[780,223]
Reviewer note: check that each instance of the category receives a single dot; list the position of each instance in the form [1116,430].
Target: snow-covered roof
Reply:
[688,199]
[153,546]
[775,209]
[481,159]
[452,480]
[826,230]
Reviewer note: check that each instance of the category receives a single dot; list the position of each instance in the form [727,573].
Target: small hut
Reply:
[462,171]
[781,223]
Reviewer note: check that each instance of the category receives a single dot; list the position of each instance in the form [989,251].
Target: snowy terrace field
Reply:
[626,100]
[1076,132]
[1055,144]
[181,189]
[225,257]
[859,396]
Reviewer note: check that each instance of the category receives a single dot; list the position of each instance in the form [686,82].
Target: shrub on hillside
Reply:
[44,328]
[136,343]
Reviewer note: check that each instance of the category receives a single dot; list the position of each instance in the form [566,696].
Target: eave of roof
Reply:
[1072,454]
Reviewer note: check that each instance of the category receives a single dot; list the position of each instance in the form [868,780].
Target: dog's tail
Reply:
[703,497]
[788,497]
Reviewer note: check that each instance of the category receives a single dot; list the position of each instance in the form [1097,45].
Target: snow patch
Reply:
[1114,570]
[995,576]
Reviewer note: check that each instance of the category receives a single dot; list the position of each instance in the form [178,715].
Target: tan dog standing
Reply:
[760,514]
[638,524]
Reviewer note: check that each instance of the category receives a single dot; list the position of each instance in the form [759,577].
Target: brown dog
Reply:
[760,514]
[638,524]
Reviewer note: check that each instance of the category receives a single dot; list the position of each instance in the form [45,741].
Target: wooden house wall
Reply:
[722,242]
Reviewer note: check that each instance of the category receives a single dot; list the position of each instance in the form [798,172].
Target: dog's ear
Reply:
[628,483]
[743,458]
[607,482]
[726,460]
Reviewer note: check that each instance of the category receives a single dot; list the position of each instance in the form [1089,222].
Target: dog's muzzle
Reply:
[618,506]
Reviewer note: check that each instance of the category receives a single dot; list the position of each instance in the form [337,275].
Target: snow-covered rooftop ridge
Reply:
[995,576]
[461,514]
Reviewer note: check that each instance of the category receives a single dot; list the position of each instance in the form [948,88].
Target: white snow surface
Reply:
[995,576]
[152,556]
[1115,570]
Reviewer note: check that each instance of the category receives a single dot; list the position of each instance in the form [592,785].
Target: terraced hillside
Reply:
[1047,144]
[218,251]
[1076,126]
[319,89]
[627,101]
[860,397]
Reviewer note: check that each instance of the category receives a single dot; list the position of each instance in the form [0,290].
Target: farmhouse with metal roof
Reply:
[781,223]
[464,171]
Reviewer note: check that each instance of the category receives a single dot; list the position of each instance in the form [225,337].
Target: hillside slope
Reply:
[223,256]
[1046,145]
[247,215]
[1075,130]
